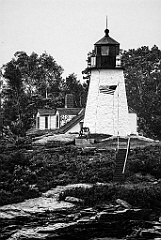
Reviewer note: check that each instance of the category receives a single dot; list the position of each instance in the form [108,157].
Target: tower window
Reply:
[105,50]
[93,61]
[98,51]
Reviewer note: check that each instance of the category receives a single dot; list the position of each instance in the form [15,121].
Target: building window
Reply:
[93,61]
[57,121]
[38,122]
[46,122]
[105,50]
[98,50]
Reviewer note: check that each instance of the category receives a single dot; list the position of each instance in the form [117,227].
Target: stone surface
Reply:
[47,218]
[49,139]
[123,203]
[73,200]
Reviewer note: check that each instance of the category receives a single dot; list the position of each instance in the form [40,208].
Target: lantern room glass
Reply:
[105,50]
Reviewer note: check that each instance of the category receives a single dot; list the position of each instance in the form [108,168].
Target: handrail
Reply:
[127,151]
[118,143]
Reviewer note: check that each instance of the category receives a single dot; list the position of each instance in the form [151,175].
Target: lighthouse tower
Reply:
[106,110]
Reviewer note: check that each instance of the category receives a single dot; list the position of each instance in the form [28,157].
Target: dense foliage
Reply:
[145,161]
[31,82]
[141,188]
[26,174]
[78,90]
[143,86]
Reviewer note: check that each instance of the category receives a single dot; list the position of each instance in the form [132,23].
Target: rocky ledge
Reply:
[47,218]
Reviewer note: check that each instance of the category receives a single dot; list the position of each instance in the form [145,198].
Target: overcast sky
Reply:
[67,29]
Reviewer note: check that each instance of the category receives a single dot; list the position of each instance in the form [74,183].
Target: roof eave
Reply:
[107,41]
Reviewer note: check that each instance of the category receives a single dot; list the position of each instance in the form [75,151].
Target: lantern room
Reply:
[105,54]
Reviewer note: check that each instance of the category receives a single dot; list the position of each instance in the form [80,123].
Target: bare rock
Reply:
[123,203]
[74,200]
[112,216]
[88,212]
[150,233]
[73,217]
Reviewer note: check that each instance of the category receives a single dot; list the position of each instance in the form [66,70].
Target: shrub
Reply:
[5,197]
[20,169]
[138,195]
[92,196]
[146,161]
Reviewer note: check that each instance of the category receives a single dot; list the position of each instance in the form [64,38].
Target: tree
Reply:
[32,82]
[36,82]
[29,68]
[143,85]
[41,74]
[1,111]
[50,76]
[78,90]
[13,97]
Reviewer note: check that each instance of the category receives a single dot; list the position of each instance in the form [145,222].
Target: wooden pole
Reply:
[118,118]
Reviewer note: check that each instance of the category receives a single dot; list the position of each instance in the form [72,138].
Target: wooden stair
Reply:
[120,159]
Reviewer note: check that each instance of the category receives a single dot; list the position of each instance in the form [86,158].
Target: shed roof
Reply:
[68,111]
[46,112]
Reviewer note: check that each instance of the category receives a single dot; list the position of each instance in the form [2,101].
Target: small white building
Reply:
[46,119]
[65,119]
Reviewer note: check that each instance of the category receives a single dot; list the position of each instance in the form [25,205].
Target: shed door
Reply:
[38,122]
[57,121]
[46,122]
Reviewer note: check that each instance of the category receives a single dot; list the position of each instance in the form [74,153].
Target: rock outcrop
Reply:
[47,218]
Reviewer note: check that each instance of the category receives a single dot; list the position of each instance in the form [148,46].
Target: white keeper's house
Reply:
[68,119]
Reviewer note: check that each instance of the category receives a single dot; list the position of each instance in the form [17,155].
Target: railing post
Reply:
[117,144]
[128,144]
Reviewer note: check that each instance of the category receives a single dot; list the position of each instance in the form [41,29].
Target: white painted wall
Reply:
[42,122]
[53,122]
[106,113]
[133,123]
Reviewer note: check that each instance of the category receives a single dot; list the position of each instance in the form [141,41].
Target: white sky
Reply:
[67,29]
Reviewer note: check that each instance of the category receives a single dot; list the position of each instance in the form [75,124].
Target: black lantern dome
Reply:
[105,53]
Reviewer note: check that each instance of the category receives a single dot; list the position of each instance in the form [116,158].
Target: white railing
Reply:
[127,151]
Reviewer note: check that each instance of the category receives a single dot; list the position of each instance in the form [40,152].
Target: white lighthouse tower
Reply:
[106,110]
